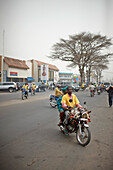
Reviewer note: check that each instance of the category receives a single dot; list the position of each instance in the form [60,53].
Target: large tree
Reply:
[82,49]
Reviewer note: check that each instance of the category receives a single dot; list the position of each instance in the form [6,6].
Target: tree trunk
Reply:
[89,72]
[81,74]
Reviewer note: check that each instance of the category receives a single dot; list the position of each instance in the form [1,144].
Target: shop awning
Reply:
[30,79]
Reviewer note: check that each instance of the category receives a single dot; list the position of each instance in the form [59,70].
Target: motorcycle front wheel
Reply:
[53,102]
[84,137]
[22,96]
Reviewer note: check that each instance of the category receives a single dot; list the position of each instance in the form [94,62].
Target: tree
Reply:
[82,50]
[98,71]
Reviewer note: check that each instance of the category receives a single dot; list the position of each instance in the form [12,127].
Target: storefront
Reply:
[15,70]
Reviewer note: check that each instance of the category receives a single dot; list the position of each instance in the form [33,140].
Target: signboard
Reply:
[44,72]
[13,74]
[56,76]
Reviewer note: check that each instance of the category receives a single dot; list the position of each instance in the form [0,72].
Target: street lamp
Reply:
[2,68]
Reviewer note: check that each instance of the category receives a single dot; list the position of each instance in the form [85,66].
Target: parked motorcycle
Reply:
[77,123]
[24,94]
[53,101]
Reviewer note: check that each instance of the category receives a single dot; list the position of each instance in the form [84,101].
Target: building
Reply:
[52,70]
[65,77]
[25,71]
[15,70]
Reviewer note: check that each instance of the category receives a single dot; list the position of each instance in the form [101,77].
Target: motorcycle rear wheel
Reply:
[85,137]
[22,96]
[53,103]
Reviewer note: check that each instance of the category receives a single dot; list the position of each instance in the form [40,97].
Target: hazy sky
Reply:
[33,26]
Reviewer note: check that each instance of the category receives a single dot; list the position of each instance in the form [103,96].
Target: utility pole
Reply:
[2,67]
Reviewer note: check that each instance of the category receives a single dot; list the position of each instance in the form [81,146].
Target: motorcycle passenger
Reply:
[25,86]
[58,93]
[33,87]
[59,106]
[66,103]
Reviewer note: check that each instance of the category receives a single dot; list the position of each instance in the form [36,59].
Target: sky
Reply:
[32,27]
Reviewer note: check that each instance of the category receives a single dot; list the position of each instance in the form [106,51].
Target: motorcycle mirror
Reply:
[70,100]
[85,102]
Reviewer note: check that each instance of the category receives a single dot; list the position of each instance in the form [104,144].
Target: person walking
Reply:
[110,95]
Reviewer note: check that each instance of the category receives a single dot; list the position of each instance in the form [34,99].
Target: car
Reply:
[76,87]
[10,86]
[40,87]
[106,84]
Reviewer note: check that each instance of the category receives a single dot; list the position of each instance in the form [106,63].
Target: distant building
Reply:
[65,77]
[15,70]
[25,71]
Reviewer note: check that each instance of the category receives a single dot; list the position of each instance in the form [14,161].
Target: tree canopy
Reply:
[83,50]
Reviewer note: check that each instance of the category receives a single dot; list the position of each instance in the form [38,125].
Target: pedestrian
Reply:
[110,95]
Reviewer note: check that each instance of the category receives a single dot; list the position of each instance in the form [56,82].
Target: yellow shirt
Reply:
[58,92]
[83,85]
[25,87]
[33,86]
[66,98]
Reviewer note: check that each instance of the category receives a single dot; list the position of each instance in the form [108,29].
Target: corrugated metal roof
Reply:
[11,62]
[52,67]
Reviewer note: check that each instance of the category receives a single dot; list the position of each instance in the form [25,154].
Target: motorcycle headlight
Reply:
[72,111]
[84,115]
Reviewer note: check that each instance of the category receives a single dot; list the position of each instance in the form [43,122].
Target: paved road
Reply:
[30,139]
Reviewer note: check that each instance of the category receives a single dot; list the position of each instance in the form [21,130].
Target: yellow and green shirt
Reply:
[58,92]
[25,87]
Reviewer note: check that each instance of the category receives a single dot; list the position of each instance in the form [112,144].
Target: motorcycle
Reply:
[92,93]
[98,91]
[24,94]
[53,101]
[78,123]
[32,91]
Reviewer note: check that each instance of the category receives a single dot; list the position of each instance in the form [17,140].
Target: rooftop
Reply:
[11,62]
[50,66]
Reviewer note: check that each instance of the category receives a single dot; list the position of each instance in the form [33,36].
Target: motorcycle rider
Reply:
[25,86]
[92,88]
[58,93]
[69,100]
[33,87]
[59,106]
[98,88]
